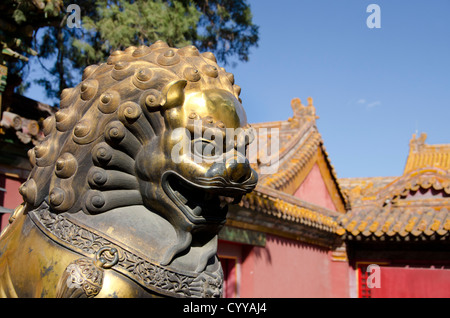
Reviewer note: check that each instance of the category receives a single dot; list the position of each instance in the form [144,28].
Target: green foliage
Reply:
[142,22]
[222,26]
[227,28]
[19,16]
[18,21]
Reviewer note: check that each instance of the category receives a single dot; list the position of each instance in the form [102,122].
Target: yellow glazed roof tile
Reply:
[414,205]
[422,155]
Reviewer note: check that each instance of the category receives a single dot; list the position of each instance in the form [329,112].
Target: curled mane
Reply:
[88,154]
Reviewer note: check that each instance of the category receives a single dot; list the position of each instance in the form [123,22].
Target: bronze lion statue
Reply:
[124,200]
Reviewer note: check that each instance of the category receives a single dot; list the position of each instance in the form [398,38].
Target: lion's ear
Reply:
[173,94]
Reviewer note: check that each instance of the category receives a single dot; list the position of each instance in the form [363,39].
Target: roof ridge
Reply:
[424,155]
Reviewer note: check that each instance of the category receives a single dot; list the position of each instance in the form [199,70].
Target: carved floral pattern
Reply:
[152,276]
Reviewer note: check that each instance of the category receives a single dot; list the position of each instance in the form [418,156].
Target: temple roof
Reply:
[21,119]
[300,147]
[273,211]
[272,207]
[422,155]
[414,206]
[397,223]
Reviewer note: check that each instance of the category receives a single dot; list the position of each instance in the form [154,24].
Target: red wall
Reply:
[230,255]
[314,190]
[11,198]
[398,282]
[288,269]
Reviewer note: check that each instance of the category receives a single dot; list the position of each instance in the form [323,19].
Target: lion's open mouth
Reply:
[198,202]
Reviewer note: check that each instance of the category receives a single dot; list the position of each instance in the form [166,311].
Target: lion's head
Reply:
[151,127]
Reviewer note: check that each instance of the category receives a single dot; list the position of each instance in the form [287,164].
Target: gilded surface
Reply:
[130,185]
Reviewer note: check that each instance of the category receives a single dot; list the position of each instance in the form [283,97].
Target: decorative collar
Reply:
[160,279]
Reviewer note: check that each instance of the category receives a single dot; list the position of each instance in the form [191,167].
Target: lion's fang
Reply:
[197,210]
[181,197]
[223,203]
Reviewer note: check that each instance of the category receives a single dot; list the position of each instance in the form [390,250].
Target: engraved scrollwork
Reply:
[110,255]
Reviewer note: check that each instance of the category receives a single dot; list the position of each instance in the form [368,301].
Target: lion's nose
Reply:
[238,169]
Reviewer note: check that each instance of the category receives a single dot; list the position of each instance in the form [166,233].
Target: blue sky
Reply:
[372,88]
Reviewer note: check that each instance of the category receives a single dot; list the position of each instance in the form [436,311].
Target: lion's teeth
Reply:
[237,199]
[225,199]
[197,210]
[181,197]
[223,203]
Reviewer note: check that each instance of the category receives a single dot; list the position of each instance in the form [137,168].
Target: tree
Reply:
[224,27]
[19,19]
